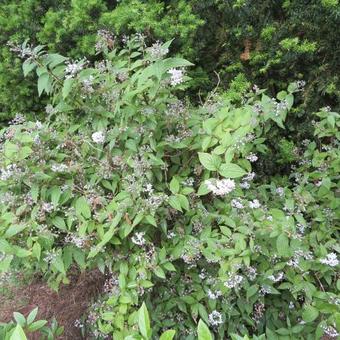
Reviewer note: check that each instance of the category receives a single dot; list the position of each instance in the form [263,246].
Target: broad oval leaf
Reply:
[231,171]
[203,331]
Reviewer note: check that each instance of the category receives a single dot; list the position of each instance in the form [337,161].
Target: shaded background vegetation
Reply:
[267,42]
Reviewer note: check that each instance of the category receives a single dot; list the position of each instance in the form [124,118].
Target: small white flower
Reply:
[171,235]
[98,137]
[220,187]
[254,204]
[331,260]
[38,125]
[245,185]
[176,76]
[252,158]
[249,177]
[157,51]
[139,239]
[330,331]
[236,203]
[47,207]
[234,281]
[59,167]
[280,191]
[148,188]
[72,68]
[215,318]
[214,295]
[276,278]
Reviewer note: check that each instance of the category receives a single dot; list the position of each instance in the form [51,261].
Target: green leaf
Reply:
[18,334]
[174,185]
[203,190]
[10,149]
[43,83]
[231,170]
[36,250]
[82,207]
[55,59]
[151,220]
[183,201]
[37,325]
[252,291]
[175,62]
[282,245]
[59,264]
[14,229]
[290,101]
[175,202]
[32,315]
[28,66]
[138,218]
[203,331]
[168,335]
[19,318]
[309,313]
[79,257]
[67,87]
[169,266]
[210,162]
[107,236]
[144,322]
[55,195]
[160,272]
[5,263]
[59,222]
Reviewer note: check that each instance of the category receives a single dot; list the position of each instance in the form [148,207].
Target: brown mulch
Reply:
[66,306]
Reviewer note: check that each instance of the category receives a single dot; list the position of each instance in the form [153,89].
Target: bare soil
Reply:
[66,306]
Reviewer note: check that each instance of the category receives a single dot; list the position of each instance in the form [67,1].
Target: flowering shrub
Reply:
[164,198]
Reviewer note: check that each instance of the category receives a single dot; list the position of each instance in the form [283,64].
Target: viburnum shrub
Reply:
[163,197]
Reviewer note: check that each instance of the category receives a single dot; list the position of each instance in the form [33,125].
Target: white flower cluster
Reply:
[236,203]
[98,137]
[220,187]
[331,332]
[214,295]
[298,255]
[252,158]
[47,207]
[276,278]
[39,125]
[234,281]
[215,318]
[72,68]
[176,76]
[105,39]
[88,85]
[280,191]
[138,238]
[251,273]
[59,167]
[254,204]
[50,256]
[78,241]
[23,51]
[157,51]
[8,172]
[246,179]
[331,260]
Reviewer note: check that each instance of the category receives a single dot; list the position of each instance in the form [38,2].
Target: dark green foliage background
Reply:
[289,40]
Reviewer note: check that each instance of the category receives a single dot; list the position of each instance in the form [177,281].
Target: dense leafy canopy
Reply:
[207,191]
